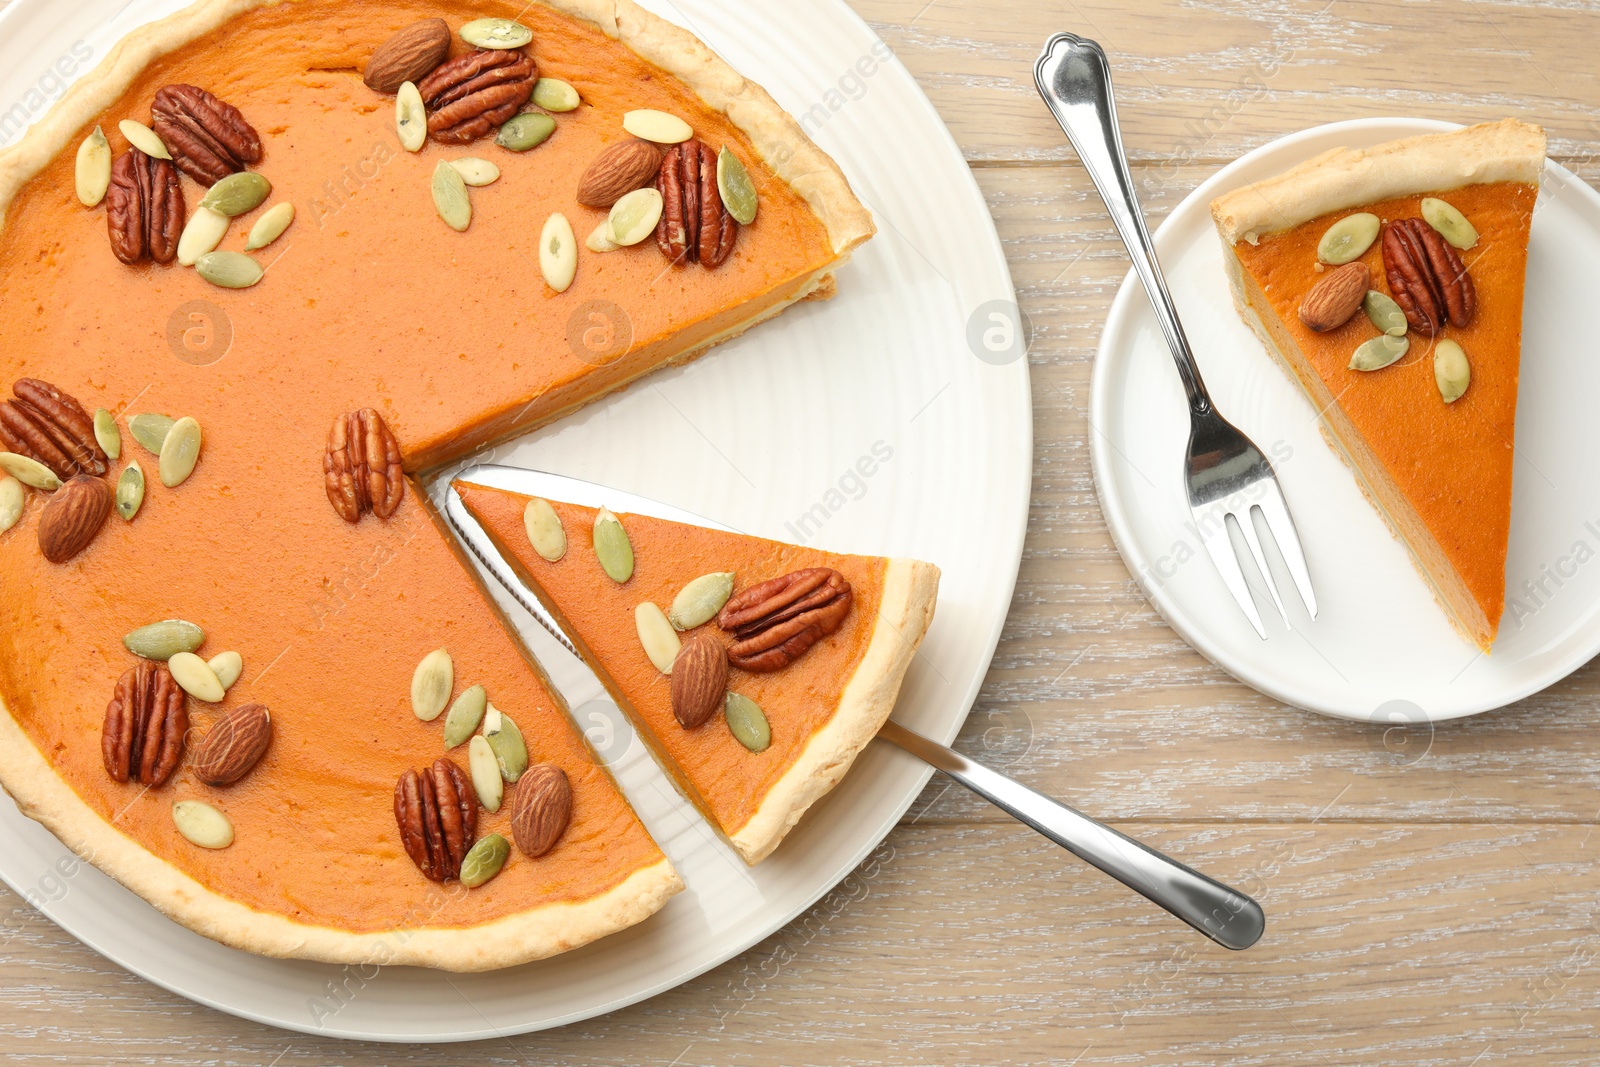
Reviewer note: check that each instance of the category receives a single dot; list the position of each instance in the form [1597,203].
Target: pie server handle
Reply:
[1225,915]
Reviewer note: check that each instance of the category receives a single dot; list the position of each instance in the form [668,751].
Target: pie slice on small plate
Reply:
[1388,282]
[784,660]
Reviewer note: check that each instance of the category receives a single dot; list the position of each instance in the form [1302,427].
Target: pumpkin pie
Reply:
[1388,282]
[255,681]
[755,670]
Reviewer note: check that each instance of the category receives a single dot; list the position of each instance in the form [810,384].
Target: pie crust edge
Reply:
[1340,178]
[44,796]
[904,613]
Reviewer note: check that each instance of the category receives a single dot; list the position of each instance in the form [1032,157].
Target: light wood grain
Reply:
[1432,896]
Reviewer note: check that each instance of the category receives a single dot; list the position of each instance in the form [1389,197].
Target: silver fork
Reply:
[1227,474]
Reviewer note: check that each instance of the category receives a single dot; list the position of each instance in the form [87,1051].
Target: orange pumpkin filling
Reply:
[722,776]
[1451,462]
[369,300]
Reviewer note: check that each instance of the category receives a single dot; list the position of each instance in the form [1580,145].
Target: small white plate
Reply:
[894,419]
[1380,648]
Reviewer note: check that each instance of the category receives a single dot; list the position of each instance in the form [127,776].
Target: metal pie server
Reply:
[1225,915]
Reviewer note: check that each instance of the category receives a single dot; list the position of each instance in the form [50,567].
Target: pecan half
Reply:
[695,225]
[437,813]
[774,623]
[45,424]
[1426,277]
[144,208]
[208,139]
[471,95]
[361,466]
[145,726]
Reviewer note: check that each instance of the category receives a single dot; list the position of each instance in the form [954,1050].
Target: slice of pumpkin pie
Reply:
[1388,282]
[755,670]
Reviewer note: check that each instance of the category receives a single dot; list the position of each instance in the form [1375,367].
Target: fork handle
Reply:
[1226,916]
[1075,80]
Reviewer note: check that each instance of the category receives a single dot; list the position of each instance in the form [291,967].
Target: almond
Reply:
[234,746]
[408,56]
[619,170]
[72,517]
[1336,297]
[699,680]
[542,808]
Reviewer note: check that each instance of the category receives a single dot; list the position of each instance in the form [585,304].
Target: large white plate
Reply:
[1380,648]
[766,435]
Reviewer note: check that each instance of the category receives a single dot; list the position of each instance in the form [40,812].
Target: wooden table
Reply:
[1431,895]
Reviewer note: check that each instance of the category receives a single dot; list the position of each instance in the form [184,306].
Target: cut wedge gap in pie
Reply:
[819,642]
[1388,282]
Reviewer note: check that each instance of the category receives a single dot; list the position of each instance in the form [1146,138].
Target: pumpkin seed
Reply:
[1348,238]
[486,780]
[106,434]
[1449,221]
[29,471]
[163,640]
[450,197]
[545,532]
[180,451]
[196,677]
[144,139]
[150,430]
[130,490]
[599,239]
[1451,371]
[747,721]
[227,666]
[201,824]
[1384,313]
[658,126]
[431,683]
[612,546]
[270,226]
[738,191]
[496,33]
[1379,352]
[634,217]
[410,118]
[656,634]
[522,132]
[505,740]
[558,253]
[93,172]
[12,500]
[476,172]
[201,234]
[701,599]
[553,94]
[237,194]
[484,860]
[465,715]
[229,270]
